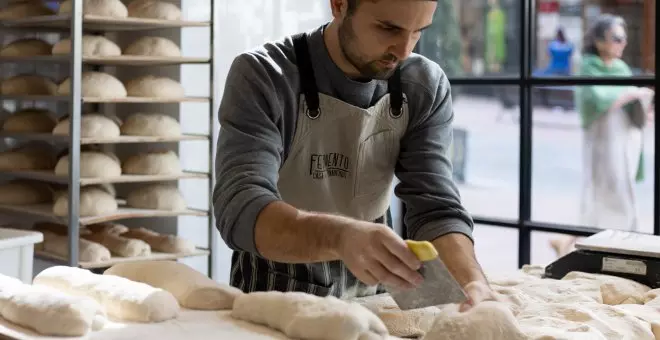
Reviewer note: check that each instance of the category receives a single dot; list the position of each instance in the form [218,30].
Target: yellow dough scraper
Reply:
[439,286]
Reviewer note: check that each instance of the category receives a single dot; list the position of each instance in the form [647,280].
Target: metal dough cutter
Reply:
[629,255]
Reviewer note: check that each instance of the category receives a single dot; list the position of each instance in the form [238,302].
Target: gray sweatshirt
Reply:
[258,114]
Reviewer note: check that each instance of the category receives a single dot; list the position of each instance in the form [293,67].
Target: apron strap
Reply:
[307,78]
[396,93]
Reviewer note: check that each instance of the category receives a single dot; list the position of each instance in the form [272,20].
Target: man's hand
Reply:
[477,292]
[375,254]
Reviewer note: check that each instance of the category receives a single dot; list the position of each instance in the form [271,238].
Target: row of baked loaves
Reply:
[99,85]
[103,241]
[70,301]
[146,9]
[92,125]
[95,200]
[94,163]
[93,46]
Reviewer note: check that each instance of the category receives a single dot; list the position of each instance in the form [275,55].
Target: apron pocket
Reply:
[375,165]
[286,283]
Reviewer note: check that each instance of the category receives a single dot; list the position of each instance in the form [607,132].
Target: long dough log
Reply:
[122,246]
[161,242]
[87,251]
[122,299]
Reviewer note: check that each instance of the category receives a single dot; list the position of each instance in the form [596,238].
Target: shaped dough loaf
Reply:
[30,121]
[158,197]
[26,48]
[191,288]
[151,124]
[29,156]
[102,8]
[24,9]
[122,299]
[305,316]
[92,165]
[93,202]
[59,245]
[92,46]
[154,9]
[92,125]
[48,311]
[28,85]
[160,242]
[95,85]
[152,163]
[153,47]
[155,87]
[22,192]
[122,246]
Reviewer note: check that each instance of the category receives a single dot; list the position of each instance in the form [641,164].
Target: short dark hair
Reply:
[353,5]
[598,30]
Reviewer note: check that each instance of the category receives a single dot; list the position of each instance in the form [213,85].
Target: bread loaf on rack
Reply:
[25,192]
[92,125]
[93,202]
[92,46]
[93,164]
[158,197]
[152,163]
[25,9]
[26,47]
[32,120]
[101,8]
[153,47]
[155,87]
[95,85]
[58,245]
[151,124]
[29,156]
[154,9]
[28,85]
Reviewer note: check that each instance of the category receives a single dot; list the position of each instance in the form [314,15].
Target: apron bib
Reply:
[341,161]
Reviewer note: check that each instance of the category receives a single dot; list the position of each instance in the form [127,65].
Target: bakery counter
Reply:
[189,325]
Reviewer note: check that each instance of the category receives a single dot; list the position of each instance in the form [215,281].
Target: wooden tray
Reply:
[155,256]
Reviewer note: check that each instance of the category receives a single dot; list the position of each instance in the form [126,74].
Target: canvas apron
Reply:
[341,161]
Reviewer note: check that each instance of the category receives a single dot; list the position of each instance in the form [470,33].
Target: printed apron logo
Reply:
[329,165]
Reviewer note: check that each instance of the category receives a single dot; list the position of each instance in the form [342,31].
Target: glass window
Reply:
[496,248]
[548,247]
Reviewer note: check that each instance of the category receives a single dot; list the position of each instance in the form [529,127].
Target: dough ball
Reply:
[93,125]
[26,48]
[156,87]
[92,46]
[30,121]
[158,197]
[30,156]
[21,192]
[153,47]
[25,9]
[153,9]
[92,165]
[152,163]
[101,8]
[93,202]
[151,124]
[28,84]
[96,85]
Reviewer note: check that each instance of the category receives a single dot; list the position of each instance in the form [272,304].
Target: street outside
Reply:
[491,183]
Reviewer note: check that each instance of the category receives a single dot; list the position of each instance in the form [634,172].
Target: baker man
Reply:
[313,130]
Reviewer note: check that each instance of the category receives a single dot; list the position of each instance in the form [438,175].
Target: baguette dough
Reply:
[92,165]
[102,8]
[152,163]
[47,311]
[157,197]
[25,192]
[151,124]
[122,299]
[111,228]
[32,120]
[92,46]
[122,246]
[26,47]
[92,125]
[24,9]
[155,87]
[154,9]
[59,245]
[93,202]
[96,85]
[191,288]
[28,85]
[160,242]
[29,156]
[305,316]
[153,47]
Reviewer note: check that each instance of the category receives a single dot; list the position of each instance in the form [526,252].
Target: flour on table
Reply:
[121,298]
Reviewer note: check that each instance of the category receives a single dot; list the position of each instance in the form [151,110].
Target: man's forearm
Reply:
[457,252]
[286,234]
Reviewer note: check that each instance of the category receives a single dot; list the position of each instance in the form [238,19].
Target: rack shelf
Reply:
[87,140]
[97,23]
[134,100]
[123,60]
[46,211]
[115,260]
[49,176]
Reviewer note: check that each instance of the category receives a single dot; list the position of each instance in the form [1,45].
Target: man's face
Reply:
[379,35]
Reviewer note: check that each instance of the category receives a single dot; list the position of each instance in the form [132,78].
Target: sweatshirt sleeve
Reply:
[424,169]
[248,153]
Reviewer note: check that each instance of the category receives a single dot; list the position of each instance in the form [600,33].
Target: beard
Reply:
[370,69]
